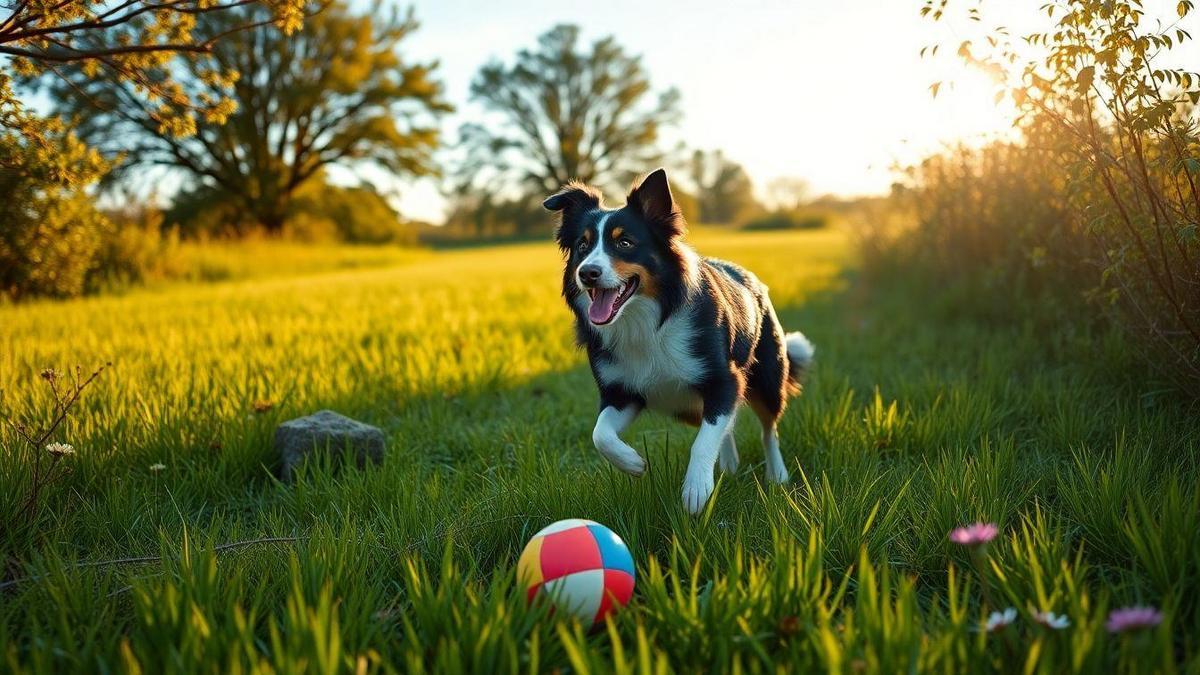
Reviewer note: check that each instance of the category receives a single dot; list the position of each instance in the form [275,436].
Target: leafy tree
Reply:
[335,93]
[484,215]
[564,111]
[723,190]
[359,214]
[788,193]
[133,41]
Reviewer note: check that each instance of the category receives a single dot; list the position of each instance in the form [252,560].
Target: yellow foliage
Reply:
[134,42]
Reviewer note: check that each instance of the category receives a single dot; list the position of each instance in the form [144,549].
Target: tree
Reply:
[129,40]
[723,190]
[787,193]
[562,112]
[335,93]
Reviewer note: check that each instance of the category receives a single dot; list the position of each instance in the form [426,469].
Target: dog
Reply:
[670,331]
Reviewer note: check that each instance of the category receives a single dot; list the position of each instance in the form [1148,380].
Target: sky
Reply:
[833,92]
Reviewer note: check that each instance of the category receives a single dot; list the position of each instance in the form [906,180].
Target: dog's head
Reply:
[618,255]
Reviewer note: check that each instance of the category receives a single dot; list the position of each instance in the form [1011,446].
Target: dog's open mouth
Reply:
[606,302]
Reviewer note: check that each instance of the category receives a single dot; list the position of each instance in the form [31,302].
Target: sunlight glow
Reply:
[834,93]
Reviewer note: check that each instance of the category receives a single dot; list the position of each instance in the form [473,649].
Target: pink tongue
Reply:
[601,309]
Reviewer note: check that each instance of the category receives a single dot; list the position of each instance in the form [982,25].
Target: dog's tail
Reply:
[800,358]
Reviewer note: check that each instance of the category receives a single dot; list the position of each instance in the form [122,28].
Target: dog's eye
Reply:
[625,242]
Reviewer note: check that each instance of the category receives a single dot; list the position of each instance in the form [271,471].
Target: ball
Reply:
[580,567]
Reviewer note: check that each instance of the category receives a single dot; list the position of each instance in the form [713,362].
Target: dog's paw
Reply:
[696,491]
[777,473]
[624,458]
[630,462]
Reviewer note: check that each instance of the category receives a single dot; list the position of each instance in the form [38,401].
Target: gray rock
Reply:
[327,432]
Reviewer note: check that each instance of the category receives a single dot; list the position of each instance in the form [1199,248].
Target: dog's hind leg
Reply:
[776,470]
[729,454]
[767,394]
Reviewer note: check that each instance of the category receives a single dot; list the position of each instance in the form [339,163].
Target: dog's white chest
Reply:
[656,363]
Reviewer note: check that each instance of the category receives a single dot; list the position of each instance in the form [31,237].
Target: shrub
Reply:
[54,242]
[51,231]
[353,214]
[476,216]
[317,212]
[135,250]
[993,223]
[1100,199]
[788,220]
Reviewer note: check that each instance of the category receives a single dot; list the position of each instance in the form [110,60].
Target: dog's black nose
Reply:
[589,274]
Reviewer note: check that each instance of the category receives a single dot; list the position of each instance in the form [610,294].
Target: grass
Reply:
[259,259]
[919,417]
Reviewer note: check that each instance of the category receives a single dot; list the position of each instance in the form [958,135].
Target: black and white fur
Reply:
[687,336]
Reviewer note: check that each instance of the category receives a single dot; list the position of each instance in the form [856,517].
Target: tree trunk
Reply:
[272,222]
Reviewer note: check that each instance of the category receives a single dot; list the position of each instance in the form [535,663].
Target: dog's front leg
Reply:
[719,412]
[698,482]
[609,425]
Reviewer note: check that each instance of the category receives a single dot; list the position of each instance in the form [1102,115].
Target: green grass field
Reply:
[919,417]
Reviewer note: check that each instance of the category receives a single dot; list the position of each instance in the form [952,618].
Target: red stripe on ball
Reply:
[569,551]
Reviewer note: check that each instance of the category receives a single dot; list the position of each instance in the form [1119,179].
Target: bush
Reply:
[788,220]
[359,215]
[993,223]
[1100,200]
[50,231]
[53,240]
[136,250]
[476,216]
[317,212]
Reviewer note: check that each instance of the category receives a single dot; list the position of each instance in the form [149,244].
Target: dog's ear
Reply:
[651,197]
[571,201]
[574,198]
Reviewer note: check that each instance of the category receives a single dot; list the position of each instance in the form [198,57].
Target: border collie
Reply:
[670,331]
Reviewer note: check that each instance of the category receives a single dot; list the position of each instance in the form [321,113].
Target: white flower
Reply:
[155,468]
[998,620]
[1052,620]
[60,449]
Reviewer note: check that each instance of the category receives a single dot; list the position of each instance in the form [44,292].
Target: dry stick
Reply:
[219,548]
[441,530]
[63,409]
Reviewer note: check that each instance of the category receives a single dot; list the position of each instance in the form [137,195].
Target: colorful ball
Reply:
[580,566]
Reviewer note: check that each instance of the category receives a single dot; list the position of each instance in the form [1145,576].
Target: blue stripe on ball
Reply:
[612,550]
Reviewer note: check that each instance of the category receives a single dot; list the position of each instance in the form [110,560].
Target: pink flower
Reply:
[977,534]
[1133,618]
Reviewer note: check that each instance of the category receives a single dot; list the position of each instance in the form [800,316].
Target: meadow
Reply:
[919,417]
